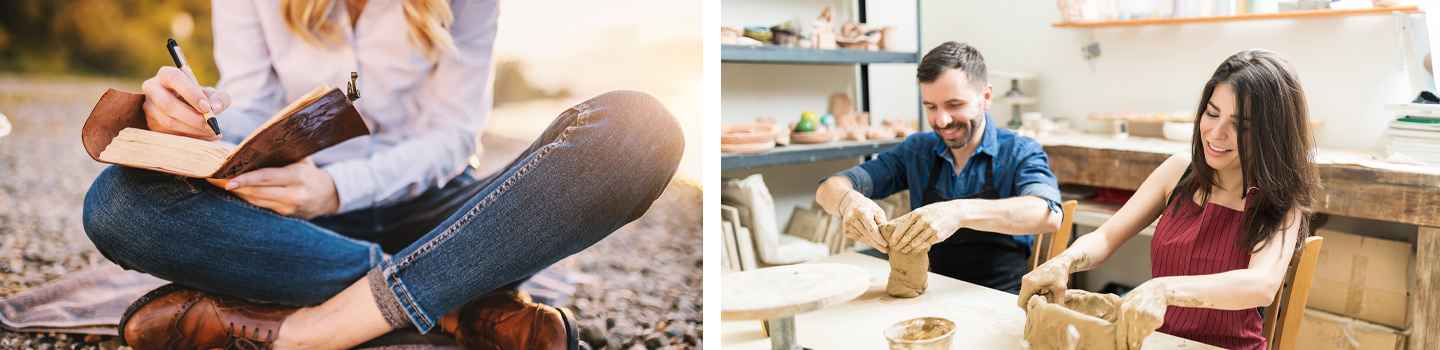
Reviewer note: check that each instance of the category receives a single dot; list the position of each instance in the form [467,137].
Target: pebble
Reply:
[655,341]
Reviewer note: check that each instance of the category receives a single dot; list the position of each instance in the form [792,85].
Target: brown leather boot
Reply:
[508,320]
[176,317]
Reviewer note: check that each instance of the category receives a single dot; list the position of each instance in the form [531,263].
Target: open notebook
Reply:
[116,133]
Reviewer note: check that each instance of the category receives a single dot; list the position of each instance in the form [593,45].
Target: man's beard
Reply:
[967,132]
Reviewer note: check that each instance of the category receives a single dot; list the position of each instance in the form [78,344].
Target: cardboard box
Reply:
[1321,330]
[1362,277]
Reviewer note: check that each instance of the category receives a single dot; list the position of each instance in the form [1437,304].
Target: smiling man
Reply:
[978,192]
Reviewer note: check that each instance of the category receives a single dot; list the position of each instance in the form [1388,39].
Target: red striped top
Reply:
[1201,245]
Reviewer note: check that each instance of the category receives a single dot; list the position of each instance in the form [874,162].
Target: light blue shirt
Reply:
[424,116]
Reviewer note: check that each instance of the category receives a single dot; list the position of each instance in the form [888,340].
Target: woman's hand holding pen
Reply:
[299,190]
[169,97]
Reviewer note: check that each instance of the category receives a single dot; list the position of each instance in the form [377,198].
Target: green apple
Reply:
[805,125]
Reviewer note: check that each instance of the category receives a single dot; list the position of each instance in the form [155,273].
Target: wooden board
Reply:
[986,318]
[1109,168]
[1244,16]
[1348,190]
[788,290]
[1425,306]
[1379,194]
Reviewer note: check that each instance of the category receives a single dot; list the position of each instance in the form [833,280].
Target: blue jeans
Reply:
[599,166]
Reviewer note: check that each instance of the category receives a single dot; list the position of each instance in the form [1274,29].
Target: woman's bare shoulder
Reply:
[1169,172]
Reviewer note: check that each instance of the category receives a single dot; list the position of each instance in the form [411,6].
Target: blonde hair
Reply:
[429,23]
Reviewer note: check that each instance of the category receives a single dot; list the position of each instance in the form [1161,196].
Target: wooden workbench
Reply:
[986,318]
[1402,194]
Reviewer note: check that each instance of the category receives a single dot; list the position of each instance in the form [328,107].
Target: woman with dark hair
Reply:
[1235,209]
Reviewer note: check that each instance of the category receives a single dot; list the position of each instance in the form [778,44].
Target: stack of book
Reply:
[1415,137]
[1415,132]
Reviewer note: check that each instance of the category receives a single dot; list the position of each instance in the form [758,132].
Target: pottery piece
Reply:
[813,136]
[747,147]
[880,133]
[782,135]
[729,36]
[842,108]
[924,333]
[760,34]
[1092,315]
[888,41]
[823,29]
[784,36]
[761,131]
[857,36]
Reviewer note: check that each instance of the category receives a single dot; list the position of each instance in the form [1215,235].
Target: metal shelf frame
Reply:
[795,154]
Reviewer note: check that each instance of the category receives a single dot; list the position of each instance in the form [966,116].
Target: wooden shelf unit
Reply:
[1242,17]
[795,55]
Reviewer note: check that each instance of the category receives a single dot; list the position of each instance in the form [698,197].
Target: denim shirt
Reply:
[1020,164]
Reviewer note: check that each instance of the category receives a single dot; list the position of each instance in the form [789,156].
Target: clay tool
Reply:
[184,66]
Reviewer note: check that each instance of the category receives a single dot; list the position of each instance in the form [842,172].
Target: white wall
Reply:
[1349,66]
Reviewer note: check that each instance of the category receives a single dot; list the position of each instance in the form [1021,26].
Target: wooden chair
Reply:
[1283,316]
[1048,245]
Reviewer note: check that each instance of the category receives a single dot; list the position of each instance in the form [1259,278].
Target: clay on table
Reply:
[1092,314]
[909,273]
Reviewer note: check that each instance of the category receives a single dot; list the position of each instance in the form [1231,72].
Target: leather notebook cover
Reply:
[328,121]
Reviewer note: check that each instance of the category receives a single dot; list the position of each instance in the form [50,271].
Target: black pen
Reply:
[179,57]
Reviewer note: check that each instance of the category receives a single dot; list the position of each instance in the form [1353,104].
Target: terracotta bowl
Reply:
[749,137]
[748,133]
[747,147]
[813,136]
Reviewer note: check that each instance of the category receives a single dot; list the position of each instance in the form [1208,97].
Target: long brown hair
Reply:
[1278,163]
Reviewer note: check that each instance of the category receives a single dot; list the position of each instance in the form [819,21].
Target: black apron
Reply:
[989,259]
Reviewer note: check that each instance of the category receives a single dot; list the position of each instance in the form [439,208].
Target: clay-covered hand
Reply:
[299,190]
[1142,311]
[1048,279]
[862,218]
[923,227]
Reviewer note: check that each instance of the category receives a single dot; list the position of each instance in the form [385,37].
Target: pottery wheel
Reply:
[788,290]
[777,294]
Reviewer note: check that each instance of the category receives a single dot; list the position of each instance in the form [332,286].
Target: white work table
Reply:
[985,318]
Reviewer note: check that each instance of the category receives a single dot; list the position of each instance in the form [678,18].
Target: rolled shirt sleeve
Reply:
[1033,178]
[884,175]
[453,105]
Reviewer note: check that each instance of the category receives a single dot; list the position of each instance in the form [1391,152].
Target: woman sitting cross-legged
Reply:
[384,231]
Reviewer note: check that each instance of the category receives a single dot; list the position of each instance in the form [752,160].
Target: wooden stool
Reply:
[777,294]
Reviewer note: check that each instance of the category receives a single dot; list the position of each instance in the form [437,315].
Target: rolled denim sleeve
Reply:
[1034,177]
[859,179]
[882,176]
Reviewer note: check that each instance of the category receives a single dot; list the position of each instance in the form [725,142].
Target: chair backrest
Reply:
[1283,317]
[1048,245]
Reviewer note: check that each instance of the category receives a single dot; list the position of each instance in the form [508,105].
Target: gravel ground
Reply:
[642,285]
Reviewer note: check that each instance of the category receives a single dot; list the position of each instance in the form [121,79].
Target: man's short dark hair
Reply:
[953,55]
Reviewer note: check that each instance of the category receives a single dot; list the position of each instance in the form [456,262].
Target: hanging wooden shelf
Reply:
[1289,14]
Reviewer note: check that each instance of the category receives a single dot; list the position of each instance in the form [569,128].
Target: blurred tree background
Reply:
[126,39]
[113,38]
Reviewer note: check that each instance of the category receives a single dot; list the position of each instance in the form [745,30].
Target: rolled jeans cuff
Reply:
[386,301]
